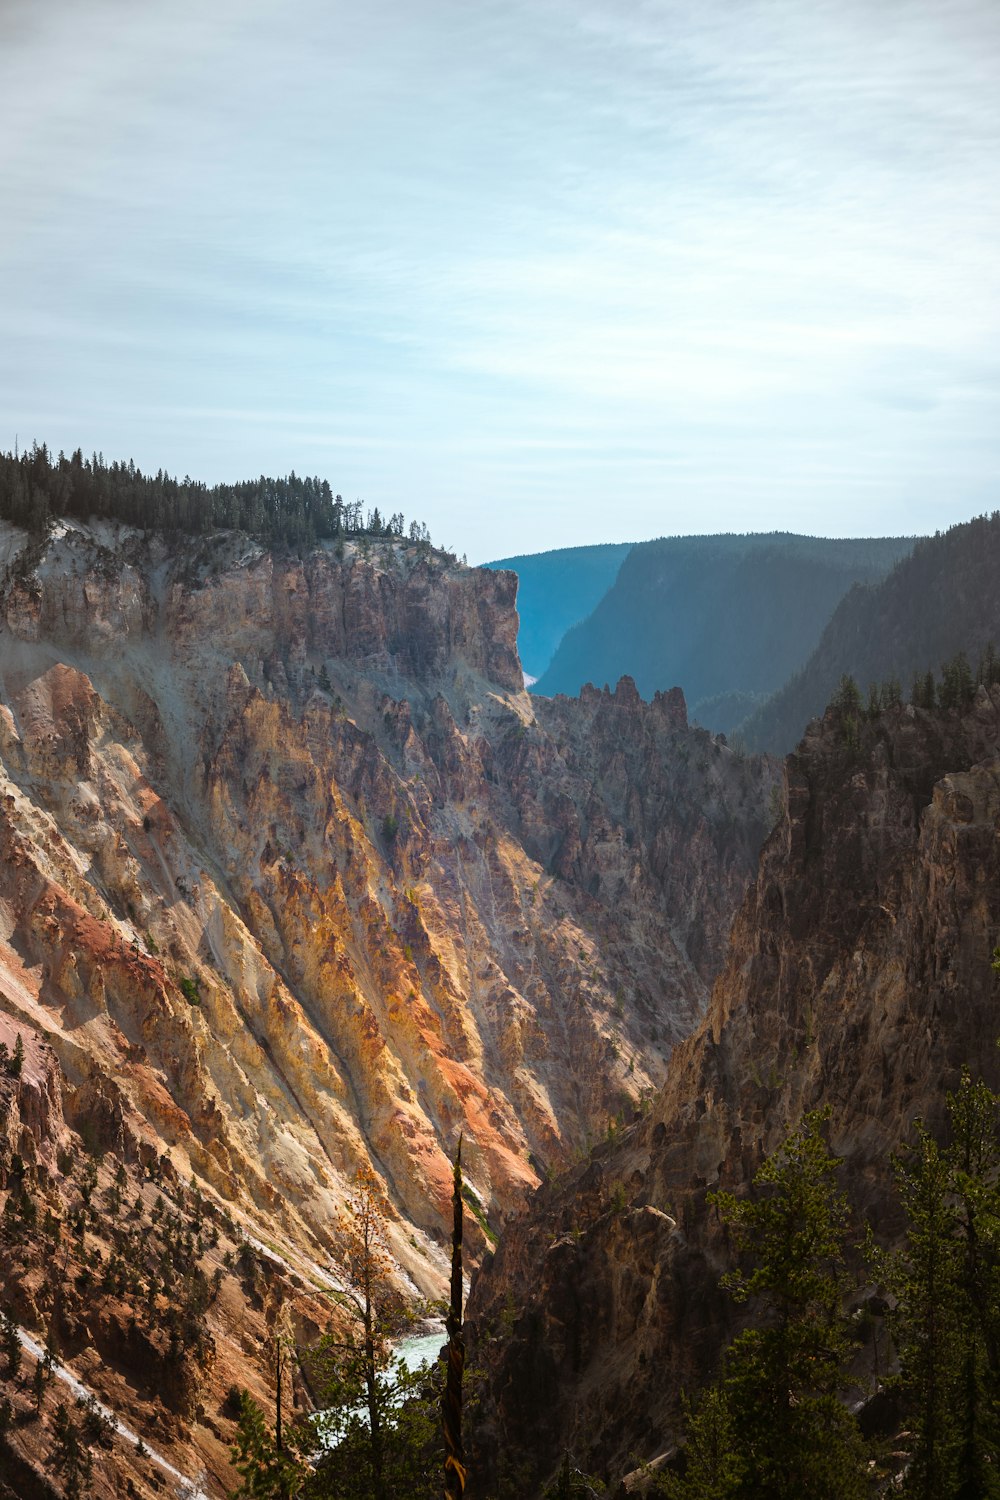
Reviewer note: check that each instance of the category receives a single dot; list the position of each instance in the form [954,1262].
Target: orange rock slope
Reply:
[294,876]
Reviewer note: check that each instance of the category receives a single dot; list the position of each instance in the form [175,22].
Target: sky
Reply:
[538,273]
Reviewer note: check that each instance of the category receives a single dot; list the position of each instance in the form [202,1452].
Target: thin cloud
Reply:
[497,252]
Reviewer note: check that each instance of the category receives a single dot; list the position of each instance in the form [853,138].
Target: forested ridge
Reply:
[291,511]
[727,618]
[938,601]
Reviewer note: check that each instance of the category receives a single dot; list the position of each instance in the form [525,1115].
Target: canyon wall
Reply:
[858,977]
[295,877]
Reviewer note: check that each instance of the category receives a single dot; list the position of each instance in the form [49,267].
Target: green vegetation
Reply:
[773,1424]
[10,1344]
[190,989]
[381,1439]
[479,1213]
[571,1483]
[377,1424]
[945,1284]
[958,684]
[86,1242]
[954,694]
[293,511]
[11,1063]
[70,1456]
[268,1471]
[356,1371]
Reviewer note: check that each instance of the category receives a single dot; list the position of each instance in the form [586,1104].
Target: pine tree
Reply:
[958,687]
[923,1280]
[974,1158]
[382,1437]
[847,699]
[38,1384]
[946,1282]
[988,671]
[712,1459]
[790,1434]
[69,1457]
[268,1469]
[10,1343]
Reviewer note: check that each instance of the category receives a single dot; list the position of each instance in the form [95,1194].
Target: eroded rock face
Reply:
[143,1285]
[859,977]
[31,1113]
[295,877]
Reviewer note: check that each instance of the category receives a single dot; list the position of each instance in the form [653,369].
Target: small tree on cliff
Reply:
[269,1468]
[10,1342]
[377,1419]
[70,1456]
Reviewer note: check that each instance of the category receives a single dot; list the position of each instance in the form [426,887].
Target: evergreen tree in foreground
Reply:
[378,1421]
[268,1471]
[773,1428]
[946,1283]
[375,1434]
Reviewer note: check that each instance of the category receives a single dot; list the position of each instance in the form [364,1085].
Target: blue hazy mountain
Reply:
[557,589]
[728,618]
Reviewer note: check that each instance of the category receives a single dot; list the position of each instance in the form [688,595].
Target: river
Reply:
[421,1346]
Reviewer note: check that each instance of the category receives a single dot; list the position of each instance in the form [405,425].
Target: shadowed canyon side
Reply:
[858,976]
[296,877]
[935,603]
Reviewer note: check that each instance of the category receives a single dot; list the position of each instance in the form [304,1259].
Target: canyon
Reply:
[859,979]
[297,879]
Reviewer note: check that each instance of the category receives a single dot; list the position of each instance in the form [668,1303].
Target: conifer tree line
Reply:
[292,511]
[777,1423]
[955,690]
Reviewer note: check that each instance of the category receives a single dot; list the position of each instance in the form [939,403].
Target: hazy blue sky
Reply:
[534,271]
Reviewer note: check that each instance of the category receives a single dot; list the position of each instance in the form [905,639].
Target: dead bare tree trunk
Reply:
[451,1402]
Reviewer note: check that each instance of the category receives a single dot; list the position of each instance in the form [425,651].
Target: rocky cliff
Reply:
[295,877]
[858,976]
[146,1292]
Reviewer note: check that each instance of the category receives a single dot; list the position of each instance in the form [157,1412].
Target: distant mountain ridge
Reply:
[728,618]
[557,589]
[938,601]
